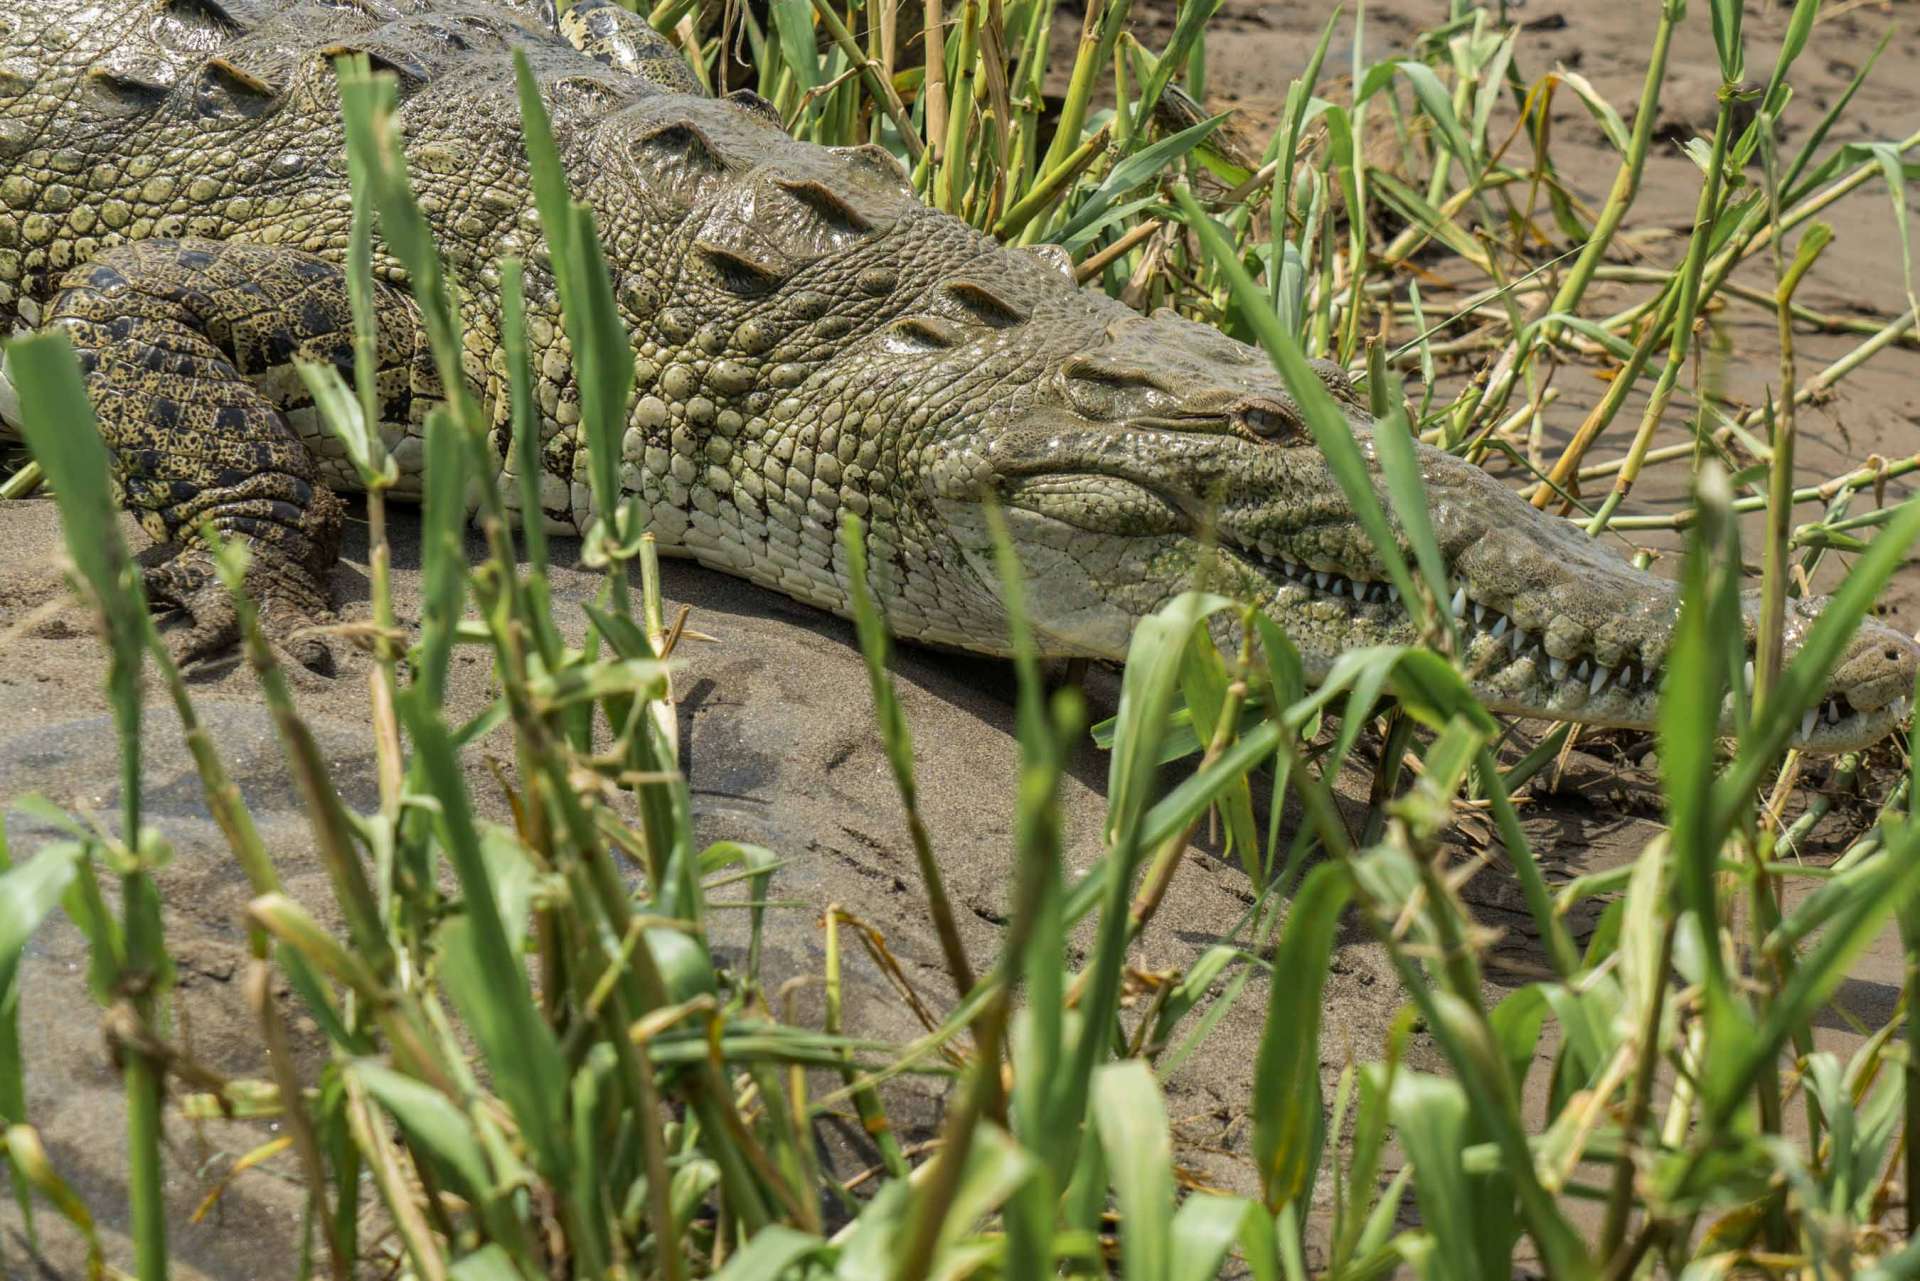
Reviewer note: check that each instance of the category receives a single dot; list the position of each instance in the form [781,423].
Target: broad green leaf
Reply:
[997,1167]
[1132,1121]
[1205,1227]
[1438,104]
[28,891]
[770,1255]
[1143,166]
[431,1123]
[1430,1116]
[1517,1021]
[488,1263]
[1602,111]
[1288,1119]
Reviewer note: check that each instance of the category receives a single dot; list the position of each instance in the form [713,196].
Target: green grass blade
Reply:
[27,893]
[1325,420]
[1850,930]
[1132,1122]
[484,968]
[1430,1117]
[898,741]
[1288,1117]
[1143,166]
[528,466]
[432,1124]
[1689,720]
[61,430]
[1805,679]
[1205,1228]
[769,1256]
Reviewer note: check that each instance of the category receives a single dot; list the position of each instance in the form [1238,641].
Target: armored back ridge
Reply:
[809,340]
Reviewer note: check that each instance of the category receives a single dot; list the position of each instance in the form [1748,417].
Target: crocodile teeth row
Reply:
[1524,644]
[1336,585]
[1520,642]
[1836,709]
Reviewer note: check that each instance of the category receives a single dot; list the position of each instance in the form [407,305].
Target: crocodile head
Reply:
[831,344]
[1164,455]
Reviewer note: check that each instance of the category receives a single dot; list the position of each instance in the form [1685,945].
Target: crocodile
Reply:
[809,339]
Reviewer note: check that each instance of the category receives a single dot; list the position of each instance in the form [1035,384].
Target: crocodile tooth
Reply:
[1517,640]
[1580,672]
[1557,667]
[1393,593]
[1806,722]
[1749,676]
[1321,578]
[1601,675]
[1459,605]
[1832,707]
[1479,613]
[1499,626]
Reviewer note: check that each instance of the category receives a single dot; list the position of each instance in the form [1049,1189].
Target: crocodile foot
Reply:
[291,606]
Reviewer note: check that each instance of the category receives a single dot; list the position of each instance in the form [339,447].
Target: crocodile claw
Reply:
[289,607]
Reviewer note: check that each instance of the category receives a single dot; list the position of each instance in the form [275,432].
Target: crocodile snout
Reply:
[1879,667]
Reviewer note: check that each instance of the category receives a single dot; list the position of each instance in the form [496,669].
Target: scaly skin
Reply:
[809,339]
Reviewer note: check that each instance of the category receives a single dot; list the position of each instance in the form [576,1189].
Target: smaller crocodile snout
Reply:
[1879,667]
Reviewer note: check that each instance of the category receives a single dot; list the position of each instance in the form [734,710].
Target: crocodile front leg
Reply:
[188,349]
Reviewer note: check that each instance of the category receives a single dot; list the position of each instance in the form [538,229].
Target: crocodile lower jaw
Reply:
[1510,671]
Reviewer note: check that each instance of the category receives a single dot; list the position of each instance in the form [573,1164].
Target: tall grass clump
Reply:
[537,1067]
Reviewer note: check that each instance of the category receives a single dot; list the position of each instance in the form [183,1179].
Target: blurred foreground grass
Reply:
[538,1068]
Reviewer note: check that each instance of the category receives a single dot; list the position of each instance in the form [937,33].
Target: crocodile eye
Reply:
[1271,422]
